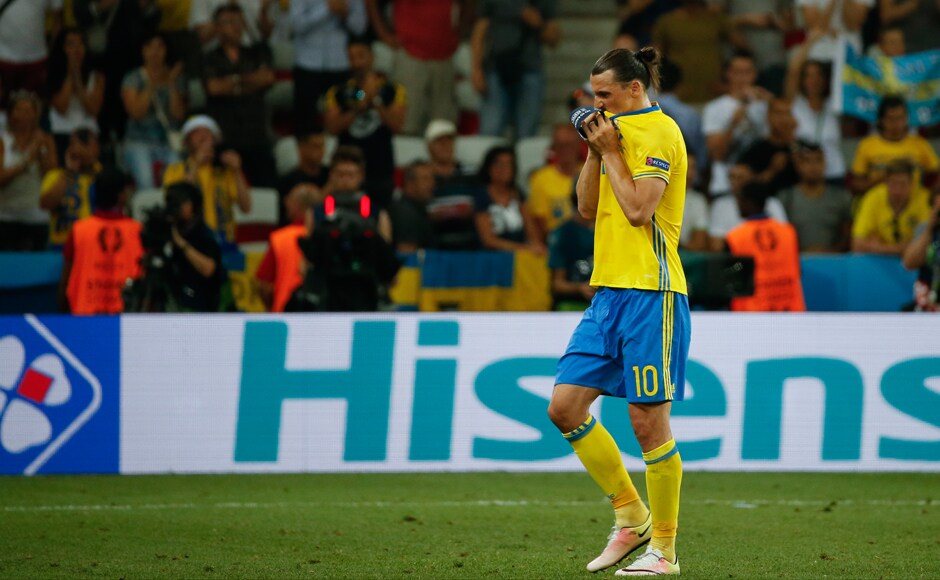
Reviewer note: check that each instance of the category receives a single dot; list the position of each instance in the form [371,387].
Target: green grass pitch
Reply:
[480,525]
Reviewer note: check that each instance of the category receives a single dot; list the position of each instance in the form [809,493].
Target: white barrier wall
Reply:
[469,392]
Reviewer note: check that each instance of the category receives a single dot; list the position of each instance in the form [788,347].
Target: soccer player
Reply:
[633,340]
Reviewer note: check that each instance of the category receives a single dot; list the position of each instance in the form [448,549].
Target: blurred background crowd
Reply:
[347,137]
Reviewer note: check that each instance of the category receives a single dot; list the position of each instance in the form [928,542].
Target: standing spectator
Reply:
[693,37]
[771,158]
[725,213]
[366,111]
[102,252]
[68,194]
[202,20]
[892,141]
[321,31]
[571,260]
[735,120]
[26,154]
[637,18]
[503,221]
[441,137]
[155,101]
[694,233]
[236,79]
[839,19]
[923,254]
[773,245]
[550,187]
[424,38]
[764,23]
[76,90]
[280,271]
[890,212]
[807,86]
[411,226]
[687,117]
[217,176]
[890,43]
[310,174]
[918,20]
[820,212]
[23,49]
[507,63]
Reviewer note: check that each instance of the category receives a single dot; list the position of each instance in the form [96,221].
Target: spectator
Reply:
[347,180]
[890,43]
[424,39]
[693,37]
[411,226]
[773,245]
[155,101]
[890,212]
[725,214]
[637,18]
[202,20]
[236,79]
[68,194]
[507,63]
[26,154]
[694,233]
[452,213]
[102,252]
[321,31]
[892,141]
[923,254]
[820,212]
[817,121]
[311,174]
[550,187]
[218,177]
[441,136]
[764,23]
[503,221]
[735,120]
[280,271]
[365,112]
[23,49]
[196,276]
[76,90]
[918,21]
[841,20]
[571,260]
[687,117]
[771,158]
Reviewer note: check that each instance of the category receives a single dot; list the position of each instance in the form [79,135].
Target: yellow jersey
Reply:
[645,257]
[876,217]
[550,196]
[76,203]
[219,188]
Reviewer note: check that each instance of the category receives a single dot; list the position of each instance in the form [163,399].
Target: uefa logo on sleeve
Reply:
[46,395]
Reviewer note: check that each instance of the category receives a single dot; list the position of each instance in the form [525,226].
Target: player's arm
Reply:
[638,199]
[588,186]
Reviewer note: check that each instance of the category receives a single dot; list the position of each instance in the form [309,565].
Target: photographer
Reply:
[923,253]
[195,257]
[366,111]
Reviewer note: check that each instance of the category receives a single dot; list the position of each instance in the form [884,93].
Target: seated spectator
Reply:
[502,219]
[550,187]
[411,226]
[366,111]
[841,20]
[23,48]
[217,176]
[890,43]
[67,194]
[571,259]
[310,173]
[820,212]
[893,141]
[890,212]
[281,270]
[154,97]
[236,79]
[735,120]
[441,137]
[773,245]
[687,117]
[771,158]
[102,252]
[923,254]
[348,182]
[195,273]
[694,233]
[76,89]
[807,87]
[917,20]
[725,215]
[26,154]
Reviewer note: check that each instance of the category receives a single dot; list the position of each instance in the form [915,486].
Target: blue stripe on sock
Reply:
[581,431]
[669,454]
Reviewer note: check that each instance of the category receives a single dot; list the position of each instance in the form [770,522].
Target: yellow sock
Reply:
[663,480]
[599,453]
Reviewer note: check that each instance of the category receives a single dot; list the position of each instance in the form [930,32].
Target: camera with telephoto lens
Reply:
[349,97]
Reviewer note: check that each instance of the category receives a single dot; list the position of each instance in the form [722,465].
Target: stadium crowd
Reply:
[370,107]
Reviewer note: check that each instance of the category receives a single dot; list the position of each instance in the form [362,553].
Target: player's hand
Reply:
[602,133]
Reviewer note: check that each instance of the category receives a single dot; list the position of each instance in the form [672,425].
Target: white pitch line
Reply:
[743,503]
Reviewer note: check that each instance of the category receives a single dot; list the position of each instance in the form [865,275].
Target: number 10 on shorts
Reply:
[647,389]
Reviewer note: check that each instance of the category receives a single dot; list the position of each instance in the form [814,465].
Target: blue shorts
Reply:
[632,344]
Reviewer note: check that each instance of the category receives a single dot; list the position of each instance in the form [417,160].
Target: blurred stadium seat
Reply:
[257,225]
[470,149]
[145,199]
[285,153]
[531,154]
[406,149]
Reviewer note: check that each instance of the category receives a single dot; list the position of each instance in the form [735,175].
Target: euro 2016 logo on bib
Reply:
[47,394]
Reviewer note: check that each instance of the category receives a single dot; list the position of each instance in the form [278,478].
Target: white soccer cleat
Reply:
[621,543]
[651,563]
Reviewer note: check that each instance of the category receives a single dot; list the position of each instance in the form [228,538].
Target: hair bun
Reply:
[647,54]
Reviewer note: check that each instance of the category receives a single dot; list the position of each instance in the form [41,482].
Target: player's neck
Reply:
[638,104]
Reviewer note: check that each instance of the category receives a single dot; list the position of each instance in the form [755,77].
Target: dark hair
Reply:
[109,184]
[642,65]
[899,167]
[889,102]
[59,63]
[886,28]
[348,154]
[756,193]
[490,159]
[150,36]
[671,76]
[303,134]
[808,147]
[740,53]
[85,134]
[228,7]
[179,193]
[824,67]
[411,169]
[356,39]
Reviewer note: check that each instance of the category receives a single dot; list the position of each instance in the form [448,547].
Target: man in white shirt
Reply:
[725,215]
[841,18]
[23,49]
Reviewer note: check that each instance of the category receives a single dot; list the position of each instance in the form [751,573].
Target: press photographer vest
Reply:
[107,253]
[773,245]
[287,257]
